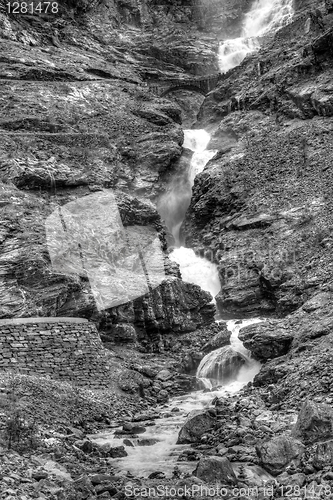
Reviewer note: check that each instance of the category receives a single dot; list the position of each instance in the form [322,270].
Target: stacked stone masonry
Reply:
[64,348]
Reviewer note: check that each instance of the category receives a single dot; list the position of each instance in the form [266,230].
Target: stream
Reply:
[156,449]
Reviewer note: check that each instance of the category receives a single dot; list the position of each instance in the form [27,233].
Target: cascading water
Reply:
[265,16]
[173,205]
[230,366]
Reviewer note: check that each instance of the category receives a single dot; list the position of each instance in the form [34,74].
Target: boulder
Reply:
[314,423]
[279,452]
[221,365]
[221,339]
[131,381]
[147,442]
[117,452]
[215,470]
[197,423]
[323,455]
[266,340]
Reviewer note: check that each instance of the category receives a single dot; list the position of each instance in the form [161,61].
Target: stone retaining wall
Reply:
[64,348]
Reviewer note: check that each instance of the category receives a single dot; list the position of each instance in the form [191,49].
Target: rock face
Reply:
[314,423]
[215,470]
[85,123]
[195,426]
[173,307]
[255,208]
[266,340]
[306,371]
[280,452]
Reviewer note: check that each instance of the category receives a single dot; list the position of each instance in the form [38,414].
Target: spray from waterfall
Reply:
[265,16]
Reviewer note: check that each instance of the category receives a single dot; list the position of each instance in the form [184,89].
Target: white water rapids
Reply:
[265,17]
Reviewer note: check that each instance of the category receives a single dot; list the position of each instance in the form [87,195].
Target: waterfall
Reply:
[173,204]
[265,16]
[197,270]
[172,207]
[230,366]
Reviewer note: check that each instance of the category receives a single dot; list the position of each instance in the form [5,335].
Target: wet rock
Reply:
[157,475]
[128,442]
[147,442]
[195,426]
[314,422]
[266,340]
[221,365]
[215,469]
[117,452]
[280,452]
[133,428]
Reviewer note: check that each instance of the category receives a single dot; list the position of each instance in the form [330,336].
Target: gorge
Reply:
[193,232]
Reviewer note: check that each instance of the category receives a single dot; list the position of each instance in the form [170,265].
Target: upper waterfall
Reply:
[265,16]
[173,204]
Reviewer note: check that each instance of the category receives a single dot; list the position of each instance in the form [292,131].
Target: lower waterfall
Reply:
[163,452]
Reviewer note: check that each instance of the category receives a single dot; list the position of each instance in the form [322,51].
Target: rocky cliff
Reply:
[77,117]
[262,209]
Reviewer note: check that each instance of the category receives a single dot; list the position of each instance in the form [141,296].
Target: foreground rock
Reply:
[314,423]
[197,423]
[215,470]
[278,453]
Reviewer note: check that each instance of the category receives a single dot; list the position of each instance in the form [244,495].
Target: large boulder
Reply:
[215,470]
[279,452]
[266,340]
[197,423]
[314,423]
[221,365]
